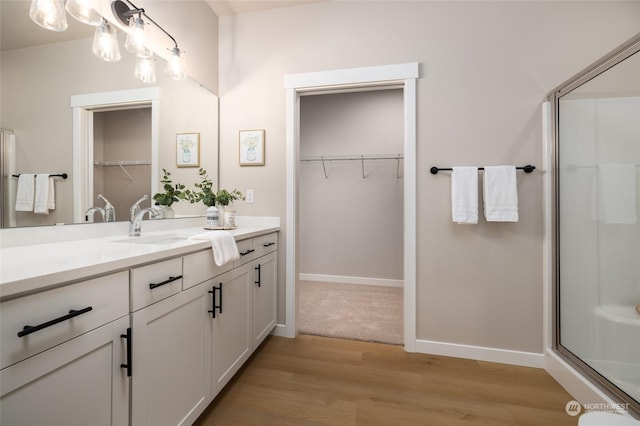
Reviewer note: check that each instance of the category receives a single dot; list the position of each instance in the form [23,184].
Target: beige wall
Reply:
[485,69]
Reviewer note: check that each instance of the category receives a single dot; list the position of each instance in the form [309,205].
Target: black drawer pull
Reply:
[128,336]
[28,329]
[170,280]
[247,252]
[213,300]
[268,244]
[257,268]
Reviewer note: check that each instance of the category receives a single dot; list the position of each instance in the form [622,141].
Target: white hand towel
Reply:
[41,201]
[500,194]
[464,195]
[51,202]
[25,192]
[617,193]
[223,245]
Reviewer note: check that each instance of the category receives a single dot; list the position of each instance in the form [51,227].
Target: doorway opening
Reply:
[350,215]
[402,77]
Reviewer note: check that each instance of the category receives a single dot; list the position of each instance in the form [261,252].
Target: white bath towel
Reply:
[464,195]
[25,192]
[223,245]
[500,190]
[617,193]
[43,194]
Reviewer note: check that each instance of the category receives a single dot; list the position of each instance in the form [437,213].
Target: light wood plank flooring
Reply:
[313,380]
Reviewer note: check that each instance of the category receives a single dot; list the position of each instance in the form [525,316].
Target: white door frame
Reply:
[83,107]
[401,75]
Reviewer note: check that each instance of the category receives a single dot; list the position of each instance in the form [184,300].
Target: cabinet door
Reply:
[231,323]
[265,295]
[171,377]
[79,382]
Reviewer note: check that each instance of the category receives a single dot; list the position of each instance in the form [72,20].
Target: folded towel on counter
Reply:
[617,193]
[500,191]
[464,195]
[43,201]
[223,245]
[25,192]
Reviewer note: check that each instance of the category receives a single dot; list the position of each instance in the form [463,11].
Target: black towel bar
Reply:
[62,175]
[527,169]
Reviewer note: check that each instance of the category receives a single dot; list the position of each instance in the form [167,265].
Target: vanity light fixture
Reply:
[105,42]
[85,11]
[49,14]
[175,65]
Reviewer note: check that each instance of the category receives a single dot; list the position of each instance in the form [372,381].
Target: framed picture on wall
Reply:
[251,147]
[188,149]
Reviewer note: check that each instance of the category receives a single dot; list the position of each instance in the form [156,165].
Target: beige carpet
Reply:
[358,312]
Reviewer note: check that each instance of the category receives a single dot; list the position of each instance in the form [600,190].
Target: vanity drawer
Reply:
[199,267]
[245,248]
[152,283]
[60,314]
[265,244]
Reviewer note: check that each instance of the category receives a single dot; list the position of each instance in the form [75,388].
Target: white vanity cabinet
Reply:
[265,287]
[171,369]
[230,321]
[62,352]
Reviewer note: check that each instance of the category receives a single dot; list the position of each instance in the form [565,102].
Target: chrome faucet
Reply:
[92,210]
[109,210]
[135,208]
[135,225]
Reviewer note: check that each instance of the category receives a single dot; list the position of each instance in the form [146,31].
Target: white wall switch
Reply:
[249,197]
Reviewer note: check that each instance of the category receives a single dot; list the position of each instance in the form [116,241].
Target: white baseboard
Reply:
[480,353]
[351,280]
[279,330]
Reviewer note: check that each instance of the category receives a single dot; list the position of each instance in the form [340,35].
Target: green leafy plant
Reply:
[204,190]
[224,197]
[172,192]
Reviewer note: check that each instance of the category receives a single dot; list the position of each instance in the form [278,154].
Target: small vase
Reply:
[167,212]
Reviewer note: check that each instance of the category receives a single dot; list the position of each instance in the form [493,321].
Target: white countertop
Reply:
[29,268]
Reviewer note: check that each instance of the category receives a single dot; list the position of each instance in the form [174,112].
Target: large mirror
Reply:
[41,74]
[598,225]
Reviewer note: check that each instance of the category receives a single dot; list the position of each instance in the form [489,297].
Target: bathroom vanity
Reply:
[119,330]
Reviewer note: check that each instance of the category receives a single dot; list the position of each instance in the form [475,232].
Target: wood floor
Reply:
[313,380]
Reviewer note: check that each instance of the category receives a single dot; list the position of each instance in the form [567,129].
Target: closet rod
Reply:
[527,169]
[62,175]
[123,163]
[354,157]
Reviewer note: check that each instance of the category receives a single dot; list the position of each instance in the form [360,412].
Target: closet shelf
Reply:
[359,157]
[123,163]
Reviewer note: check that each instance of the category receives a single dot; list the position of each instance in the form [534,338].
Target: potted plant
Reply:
[172,194]
[204,190]
[223,199]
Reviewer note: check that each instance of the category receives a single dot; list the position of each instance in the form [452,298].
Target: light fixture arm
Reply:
[123,13]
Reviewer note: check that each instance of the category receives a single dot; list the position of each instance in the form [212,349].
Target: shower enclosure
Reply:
[597,223]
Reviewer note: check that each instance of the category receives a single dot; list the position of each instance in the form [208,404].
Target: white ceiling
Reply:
[18,31]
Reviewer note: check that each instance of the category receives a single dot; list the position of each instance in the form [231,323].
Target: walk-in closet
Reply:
[350,215]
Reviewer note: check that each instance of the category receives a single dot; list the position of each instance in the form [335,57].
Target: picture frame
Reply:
[188,149]
[251,147]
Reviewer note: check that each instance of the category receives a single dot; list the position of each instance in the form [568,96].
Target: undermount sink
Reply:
[155,239]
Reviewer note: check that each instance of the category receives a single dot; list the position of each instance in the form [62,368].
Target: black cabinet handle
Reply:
[268,244]
[258,269]
[128,336]
[170,280]
[213,300]
[247,252]
[28,329]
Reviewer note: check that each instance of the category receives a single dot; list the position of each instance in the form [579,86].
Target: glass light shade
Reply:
[137,38]
[84,11]
[105,42]
[49,14]
[146,70]
[175,69]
